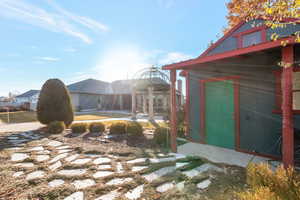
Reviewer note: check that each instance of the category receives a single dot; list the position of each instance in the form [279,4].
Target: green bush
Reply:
[54,103]
[281,184]
[79,127]
[118,128]
[134,129]
[161,136]
[97,127]
[56,127]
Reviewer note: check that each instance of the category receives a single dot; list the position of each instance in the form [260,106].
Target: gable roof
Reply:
[91,86]
[211,54]
[28,94]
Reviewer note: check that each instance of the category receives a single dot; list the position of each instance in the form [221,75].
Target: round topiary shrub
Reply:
[118,128]
[97,127]
[54,103]
[56,127]
[79,127]
[161,135]
[134,129]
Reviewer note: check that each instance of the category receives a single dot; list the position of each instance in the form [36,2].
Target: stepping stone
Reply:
[54,143]
[55,166]
[204,184]
[138,168]
[160,160]
[177,155]
[159,173]
[64,151]
[72,172]
[35,175]
[135,193]
[180,185]
[57,158]
[63,147]
[178,165]
[119,168]
[118,181]
[19,157]
[71,158]
[201,169]
[93,155]
[101,160]
[81,161]
[75,196]
[17,174]
[104,167]
[138,160]
[39,148]
[25,165]
[41,158]
[80,184]
[110,196]
[101,174]
[56,183]
[14,149]
[43,152]
[165,187]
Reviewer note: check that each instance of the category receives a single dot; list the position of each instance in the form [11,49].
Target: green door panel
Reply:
[219,113]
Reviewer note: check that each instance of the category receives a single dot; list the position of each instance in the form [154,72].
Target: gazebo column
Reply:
[151,110]
[173,111]
[144,104]
[133,103]
[287,106]
[165,102]
[121,102]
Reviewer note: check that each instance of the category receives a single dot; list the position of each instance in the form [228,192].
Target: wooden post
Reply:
[133,103]
[287,107]
[173,111]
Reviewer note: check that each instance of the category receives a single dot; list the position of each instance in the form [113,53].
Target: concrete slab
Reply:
[219,155]
[75,196]
[135,193]
[110,196]
[165,187]
[81,184]
[56,183]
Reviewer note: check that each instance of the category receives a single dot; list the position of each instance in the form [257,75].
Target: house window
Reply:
[296,91]
[251,39]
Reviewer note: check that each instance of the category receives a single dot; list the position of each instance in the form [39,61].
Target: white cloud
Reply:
[60,20]
[174,57]
[46,58]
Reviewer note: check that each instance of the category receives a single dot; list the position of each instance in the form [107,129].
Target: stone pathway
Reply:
[51,158]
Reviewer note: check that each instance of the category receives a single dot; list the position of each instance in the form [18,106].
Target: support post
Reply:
[151,110]
[144,104]
[173,116]
[121,102]
[133,103]
[287,107]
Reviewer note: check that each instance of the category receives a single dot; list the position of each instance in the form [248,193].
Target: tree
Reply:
[272,11]
[55,103]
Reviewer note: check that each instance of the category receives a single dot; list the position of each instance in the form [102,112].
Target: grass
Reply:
[18,117]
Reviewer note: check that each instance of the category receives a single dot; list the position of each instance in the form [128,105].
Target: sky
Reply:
[107,40]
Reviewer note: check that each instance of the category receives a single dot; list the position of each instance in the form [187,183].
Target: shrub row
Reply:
[131,128]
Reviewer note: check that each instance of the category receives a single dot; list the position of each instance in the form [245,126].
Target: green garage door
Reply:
[219,113]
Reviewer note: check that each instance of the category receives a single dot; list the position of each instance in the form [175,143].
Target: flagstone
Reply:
[64,151]
[41,158]
[81,161]
[72,172]
[71,158]
[101,160]
[135,193]
[204,184]
[55,166]
[39,148]
[165,187]
[17,174]
[58,157]
[19,156]
[110,196]
[25,165]
[54,143]
[81,184]
[75,196]
[119,167]
[118,181]
[177,155]
[138,168]
[159,160]
[103,167]
[180,185]
[201,169]
[159,173]
[56,183]
[35,175]
[93,155]
[63,147]
[181,164]
[101,174]
[138,160]
[43,152]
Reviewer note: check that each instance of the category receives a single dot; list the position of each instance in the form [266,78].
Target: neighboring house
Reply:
[237,95]
[30,97]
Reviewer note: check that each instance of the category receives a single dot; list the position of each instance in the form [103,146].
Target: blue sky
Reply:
[107,40]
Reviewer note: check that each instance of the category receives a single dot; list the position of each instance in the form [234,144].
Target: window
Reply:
[296,91]
[251,39]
